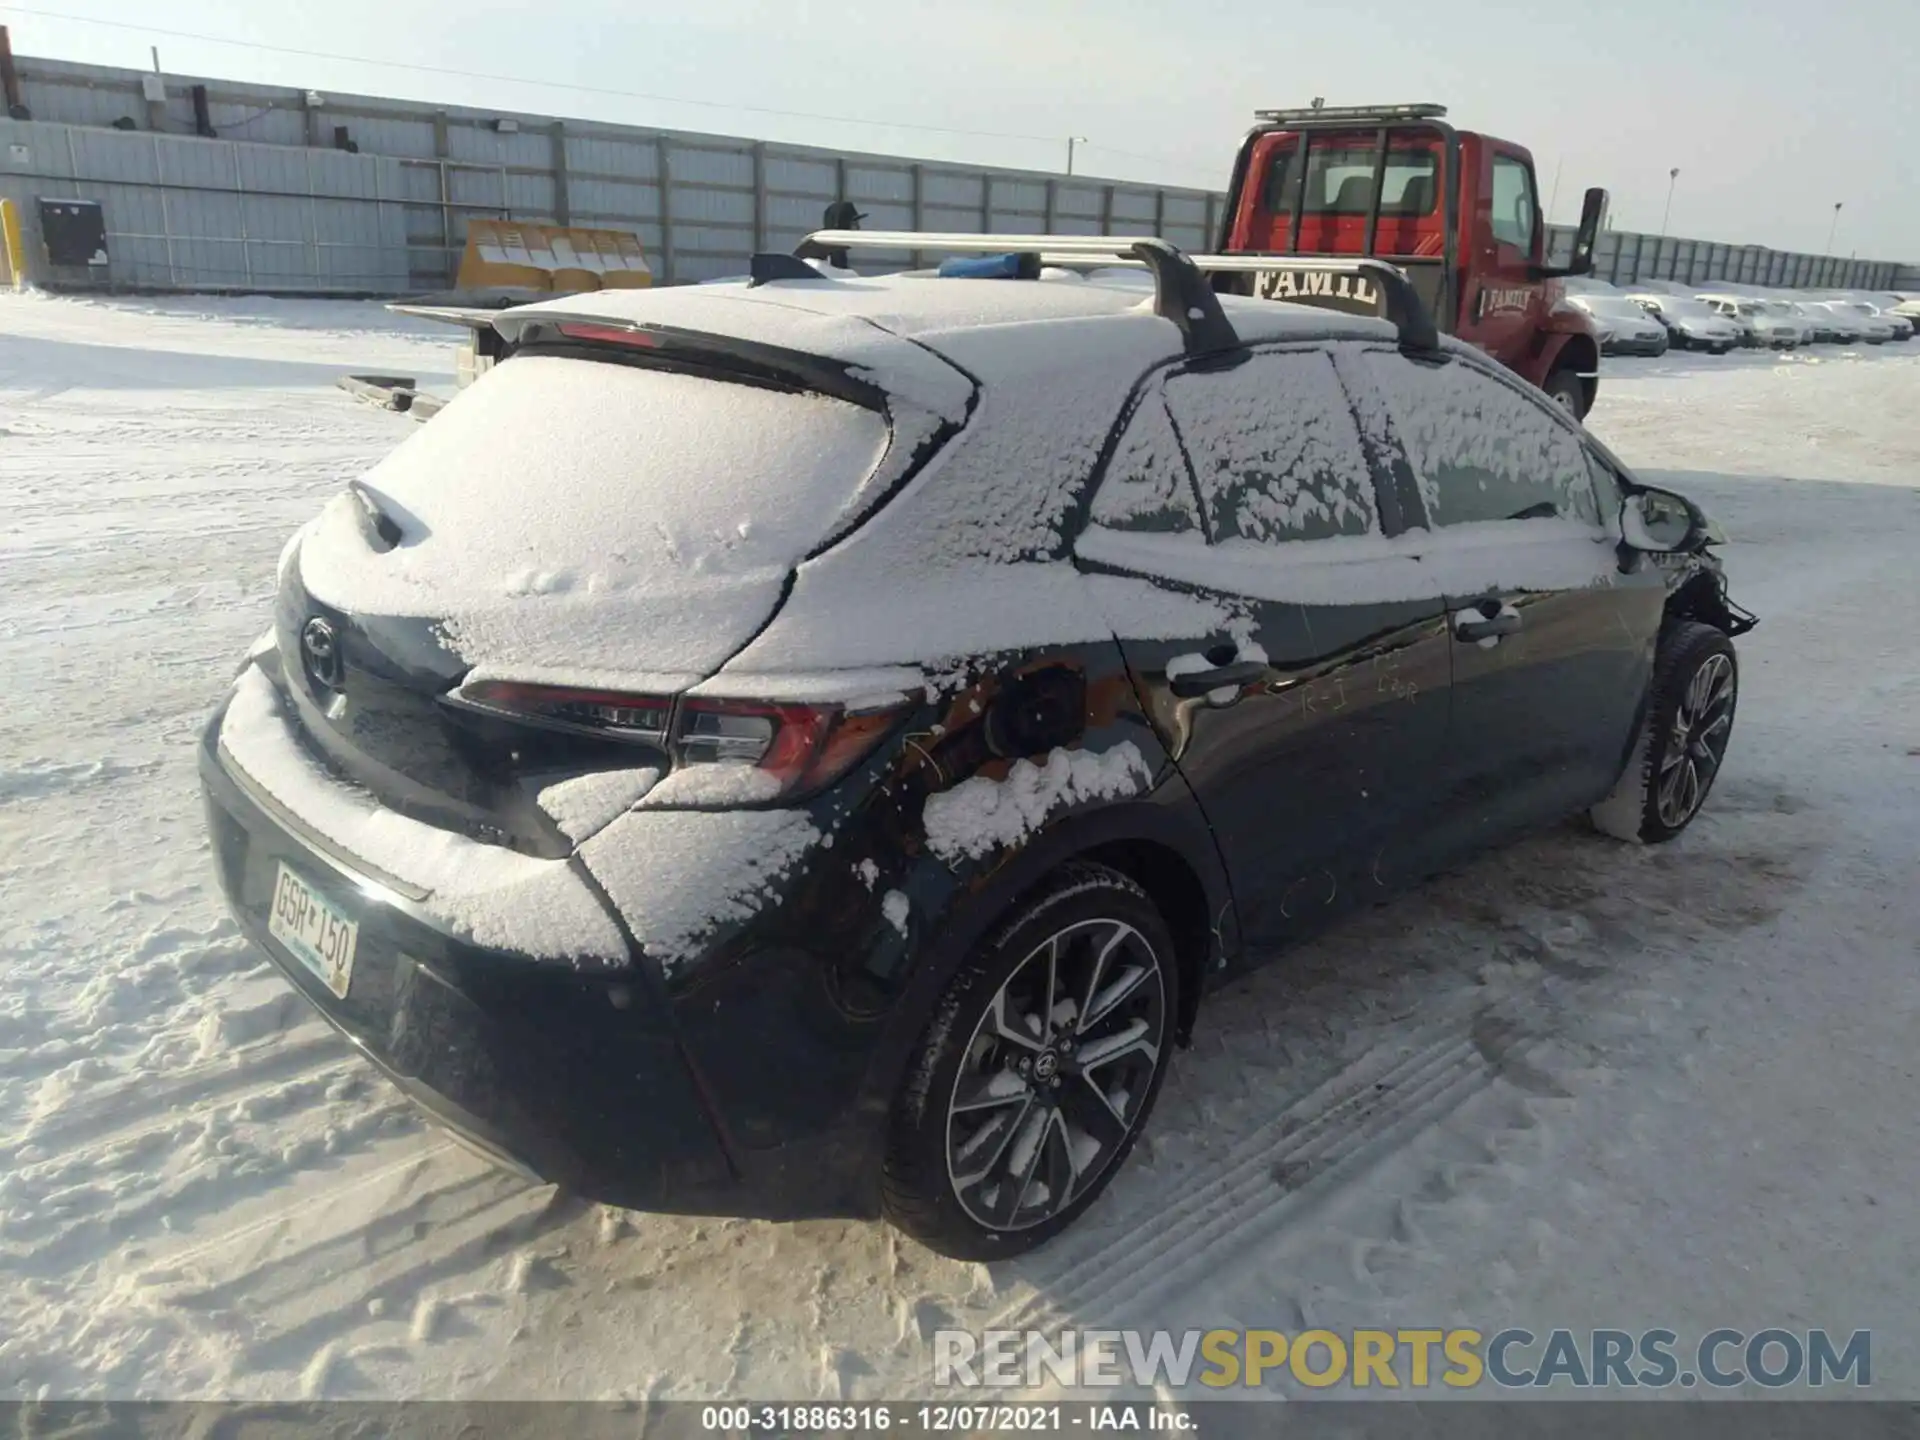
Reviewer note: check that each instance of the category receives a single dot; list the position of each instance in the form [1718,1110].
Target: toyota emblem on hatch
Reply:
[320,649]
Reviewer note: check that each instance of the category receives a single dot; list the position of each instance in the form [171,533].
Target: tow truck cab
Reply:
[1458,211]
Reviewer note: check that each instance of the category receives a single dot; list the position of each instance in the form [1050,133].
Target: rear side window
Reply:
[1275,449]
[1480,449]
[1147,487]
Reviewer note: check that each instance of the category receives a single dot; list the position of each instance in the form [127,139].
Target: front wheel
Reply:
[1037,1072]
[1568,391]
[1682,742]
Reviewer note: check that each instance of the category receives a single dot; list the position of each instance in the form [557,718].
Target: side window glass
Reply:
[1275,449]
[1606,490]
[1513,203]
[1147,486]
[1480,449]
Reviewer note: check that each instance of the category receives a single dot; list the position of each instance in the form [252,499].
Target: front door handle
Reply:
[1471,627]
[1204,682]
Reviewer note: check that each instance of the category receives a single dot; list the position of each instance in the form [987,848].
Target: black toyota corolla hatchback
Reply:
[807,748]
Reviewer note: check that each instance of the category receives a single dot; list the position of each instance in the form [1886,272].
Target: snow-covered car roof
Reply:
[1029,380]
[864,320]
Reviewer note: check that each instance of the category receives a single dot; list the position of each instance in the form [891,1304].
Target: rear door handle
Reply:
[1470,626]
[1204,682]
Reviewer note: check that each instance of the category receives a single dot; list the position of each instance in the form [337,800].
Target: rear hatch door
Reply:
[580,516]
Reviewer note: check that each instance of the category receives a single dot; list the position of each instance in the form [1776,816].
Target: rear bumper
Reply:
[573,1078]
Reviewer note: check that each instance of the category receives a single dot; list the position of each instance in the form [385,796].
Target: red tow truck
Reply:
[1459,212]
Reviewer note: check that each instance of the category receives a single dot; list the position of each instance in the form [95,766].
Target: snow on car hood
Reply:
[598,517]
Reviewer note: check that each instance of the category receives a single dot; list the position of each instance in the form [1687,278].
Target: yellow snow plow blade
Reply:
[565,259]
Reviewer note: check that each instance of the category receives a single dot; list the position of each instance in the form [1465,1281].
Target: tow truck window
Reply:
[1340,181]
[1514,206]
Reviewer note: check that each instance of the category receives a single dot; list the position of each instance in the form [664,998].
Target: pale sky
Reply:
[1773,110]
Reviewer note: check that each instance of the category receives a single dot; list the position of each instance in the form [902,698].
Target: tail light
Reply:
[607,714]
[610,335]
[804,747]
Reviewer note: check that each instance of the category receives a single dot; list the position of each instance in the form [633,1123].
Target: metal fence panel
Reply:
[212,214]
[271,202]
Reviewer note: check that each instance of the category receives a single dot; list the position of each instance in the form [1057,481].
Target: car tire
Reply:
[982,1055]
[1682,742]
[1568,391]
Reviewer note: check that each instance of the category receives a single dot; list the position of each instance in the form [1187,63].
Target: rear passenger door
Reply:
[1304,701]
[1551,643]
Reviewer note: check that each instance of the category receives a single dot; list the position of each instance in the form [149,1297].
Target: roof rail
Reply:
[768,265]
[1353,114]
[1181,291]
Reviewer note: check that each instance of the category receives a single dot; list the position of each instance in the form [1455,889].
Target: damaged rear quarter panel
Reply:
[804,949]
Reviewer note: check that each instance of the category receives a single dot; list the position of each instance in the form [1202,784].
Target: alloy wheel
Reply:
[1056,1074]
[1697,742]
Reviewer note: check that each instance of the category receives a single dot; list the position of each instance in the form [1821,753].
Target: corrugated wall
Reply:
[187,213]
[272,204]
[701,204]
[1624,258]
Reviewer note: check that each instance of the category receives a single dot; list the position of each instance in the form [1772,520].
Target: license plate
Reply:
[313,930]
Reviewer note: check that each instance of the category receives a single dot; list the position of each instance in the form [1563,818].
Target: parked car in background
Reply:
[1811,327]
[1759,326]
[1625,328]
[1742,315]
[1843,323]
[694,874]
[1814,322]
[1788,321]
[1690,325]
[1877,309]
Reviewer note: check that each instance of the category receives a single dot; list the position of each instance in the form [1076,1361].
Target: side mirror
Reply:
[1592,212]
[1660,521]
[1592,215]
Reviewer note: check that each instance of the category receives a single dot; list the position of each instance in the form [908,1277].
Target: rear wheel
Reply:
[1037,1073]
[1682,741]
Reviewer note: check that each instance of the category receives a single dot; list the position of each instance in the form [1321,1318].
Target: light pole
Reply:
[1673,175]
[1835,226]
[1073,140]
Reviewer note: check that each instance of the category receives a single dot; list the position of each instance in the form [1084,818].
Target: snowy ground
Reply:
[1579,1085]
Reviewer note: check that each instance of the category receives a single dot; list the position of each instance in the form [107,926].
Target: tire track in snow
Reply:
[1309,1150]
[1559,927]
[111,1113]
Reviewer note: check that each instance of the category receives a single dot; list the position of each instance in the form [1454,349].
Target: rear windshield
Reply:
[599,470]
[1340,180]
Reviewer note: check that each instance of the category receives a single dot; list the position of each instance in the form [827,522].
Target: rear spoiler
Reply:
[496,331]
[1182,291]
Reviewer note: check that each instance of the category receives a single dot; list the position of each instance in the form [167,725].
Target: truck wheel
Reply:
[1037,1072]
[1568,391]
